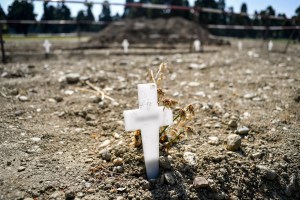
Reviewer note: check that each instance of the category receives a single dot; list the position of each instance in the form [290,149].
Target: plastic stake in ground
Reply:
[240,45]
[148,118]
[47,45]
[270,45]
[125,45]
[197,45]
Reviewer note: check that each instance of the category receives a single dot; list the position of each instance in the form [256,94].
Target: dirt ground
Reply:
[60,141]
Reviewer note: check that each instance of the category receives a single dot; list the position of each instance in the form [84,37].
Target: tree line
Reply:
[24,10]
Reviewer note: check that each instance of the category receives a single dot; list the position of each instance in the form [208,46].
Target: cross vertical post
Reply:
[148,118]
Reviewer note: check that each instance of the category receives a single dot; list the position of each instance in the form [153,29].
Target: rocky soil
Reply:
[60,140]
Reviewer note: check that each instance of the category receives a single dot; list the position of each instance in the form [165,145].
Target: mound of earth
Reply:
[145,31]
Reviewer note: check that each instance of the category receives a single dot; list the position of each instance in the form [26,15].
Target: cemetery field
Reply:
[60,140]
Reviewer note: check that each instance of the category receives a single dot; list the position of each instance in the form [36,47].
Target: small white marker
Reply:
[240,45]
[125,45]
[270,45]
[197,45]
[47,45]
[148,118]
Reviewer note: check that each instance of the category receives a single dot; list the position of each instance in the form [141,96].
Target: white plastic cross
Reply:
[240,45]
[125,45]
[270,45]
[197,45]
[148,118]
[47,45]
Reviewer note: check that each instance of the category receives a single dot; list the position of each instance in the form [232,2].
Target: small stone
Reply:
[200,182]
[169,178]
[58,99]
[243,130]
[80,194]
[267,173]
[57,195]
[119,169]
[291,187]
[197,66]
[120,198]
[145,185]
[35,139]
[72,78]
[233,142]
[89,160]
[90,117]
[87,184]
[28,198]
[190,158]
[164,162]
[118,161]
[232,124]
[106,155]
[104,143]
[23,98]
[249,96]
[257,155]
[213,140]
[69,195]
[21,168]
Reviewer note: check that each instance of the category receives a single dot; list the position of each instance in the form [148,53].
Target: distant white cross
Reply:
[47,45]
[270,45]
[125,45]
[197,45]
[240,45]
[148,118]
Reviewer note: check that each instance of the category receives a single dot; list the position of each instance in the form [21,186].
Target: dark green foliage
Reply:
[20,10]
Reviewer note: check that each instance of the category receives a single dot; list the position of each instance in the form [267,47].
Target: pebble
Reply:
[23,98]
[257,155]
[21,168]
[291,187]
[118,161]
[213,140]
[197,66]
[243,130]
[232,124]
[69,195]
[145,184]
[249,96]
[200,182]
[57,195]
[164,162]
[267,173]
[72,78]
[233,142]
[35,139]
[190,158]
[89,160]
[106,155]
[104,143]
[119,169]
[169,178]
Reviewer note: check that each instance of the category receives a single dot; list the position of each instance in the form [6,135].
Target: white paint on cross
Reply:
[270,45]
[148,118]
[47,45]
[197,45]
[125,45]
[240,45]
